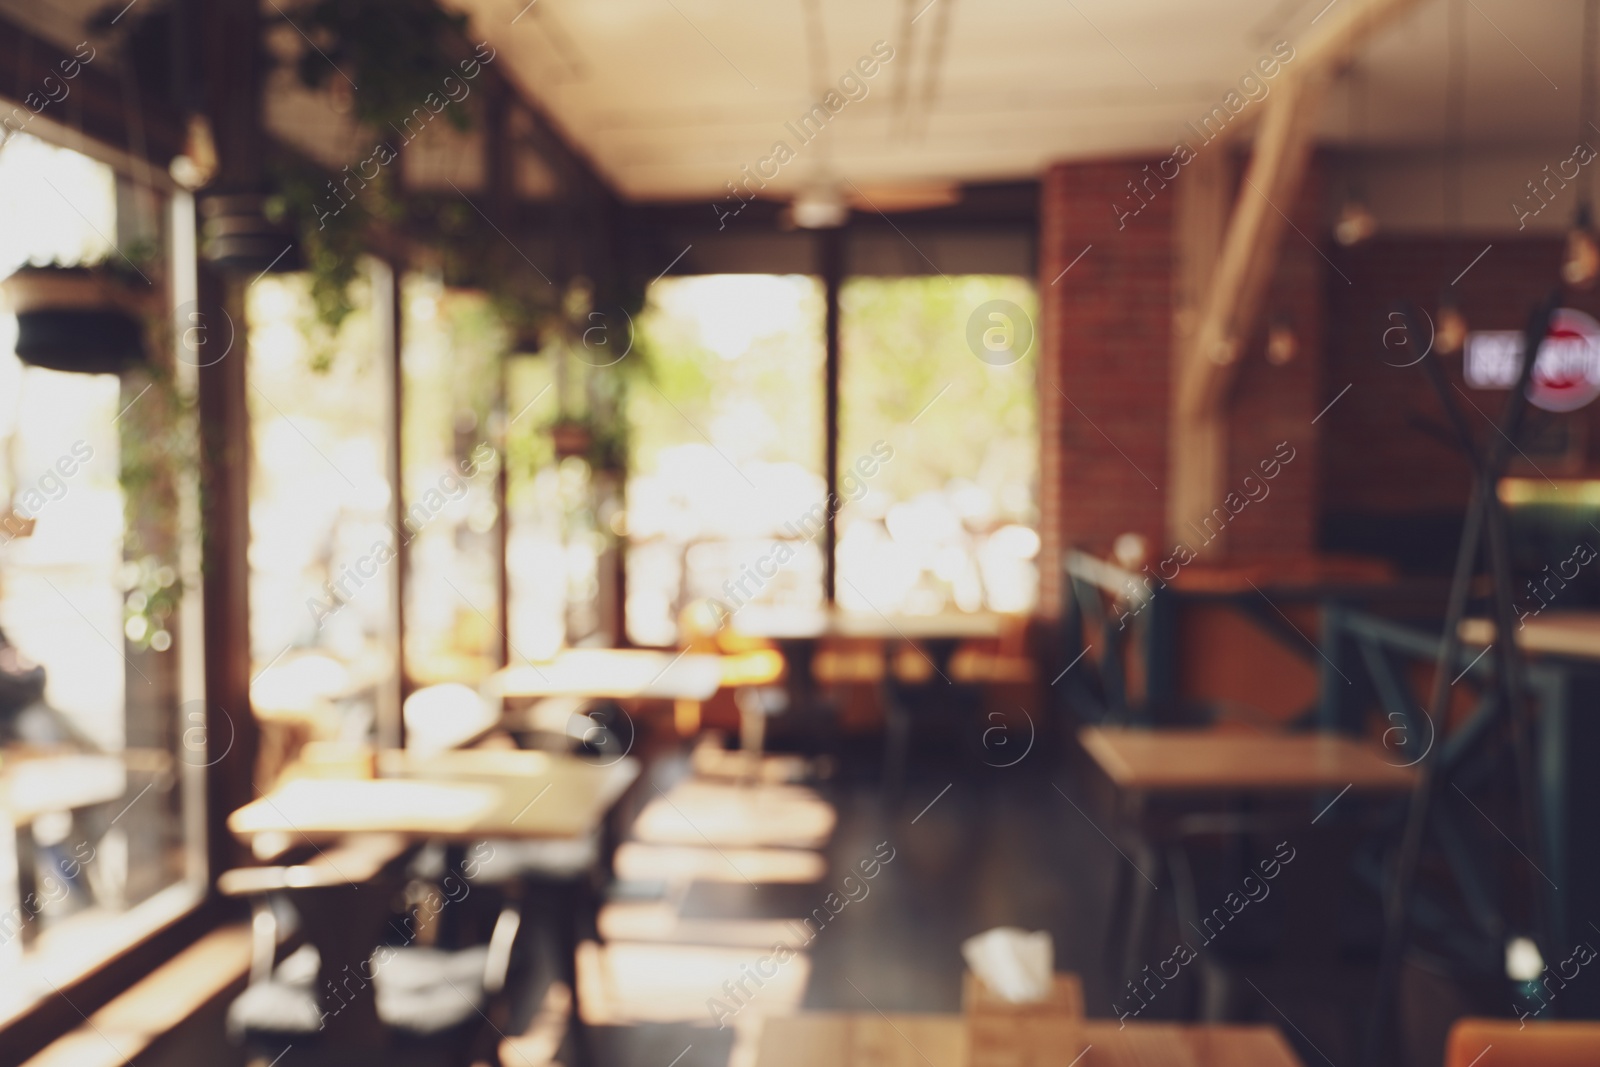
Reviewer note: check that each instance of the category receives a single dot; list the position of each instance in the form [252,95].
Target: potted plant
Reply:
[83,318]
[570,437]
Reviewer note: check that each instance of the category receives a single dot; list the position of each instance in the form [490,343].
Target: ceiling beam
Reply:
[1248,255]
[1210,346]
[82,101]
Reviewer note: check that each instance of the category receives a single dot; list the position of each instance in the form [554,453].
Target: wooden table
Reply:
[451,796]
[1562,672]
[798,632]
[613,673]
[828,1039]
[35,785]
[1569,634]
[1167,779]
[32,786]
[1215,761]
[814,624]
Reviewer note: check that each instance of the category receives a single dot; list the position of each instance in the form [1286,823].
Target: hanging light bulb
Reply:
[1450,331]
[1581,264]
[195,168]
[341,98]
[1356,222]
[1282,343]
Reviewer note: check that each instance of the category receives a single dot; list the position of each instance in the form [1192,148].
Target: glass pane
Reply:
[554,551]
[98,789]
[451,357]
[938,451]
[322,528]
[727,456]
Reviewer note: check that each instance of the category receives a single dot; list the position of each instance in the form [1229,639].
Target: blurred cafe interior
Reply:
[675,533]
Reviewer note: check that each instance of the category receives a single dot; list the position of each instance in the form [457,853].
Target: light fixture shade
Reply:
[820,207]
[241,234]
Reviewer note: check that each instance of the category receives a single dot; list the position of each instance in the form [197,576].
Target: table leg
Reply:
[1144,915]
[566,913]
[799,654]
[896,740]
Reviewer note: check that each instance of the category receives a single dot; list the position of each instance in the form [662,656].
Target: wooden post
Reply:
[229,43]
[498,179]
[830,252]
[1196,440]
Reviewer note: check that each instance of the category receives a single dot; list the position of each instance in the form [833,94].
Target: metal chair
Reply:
[339,903]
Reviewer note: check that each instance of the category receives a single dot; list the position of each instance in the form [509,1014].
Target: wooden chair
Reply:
[1126,678]
[1003,661]
[559,883]
[441,717]
[1512,1043]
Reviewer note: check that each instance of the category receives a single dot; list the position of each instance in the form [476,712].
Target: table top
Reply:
[613,673]
[34,785]
[863,1039]
[1575,634]
[451,796]
[1211,761]
[802,624]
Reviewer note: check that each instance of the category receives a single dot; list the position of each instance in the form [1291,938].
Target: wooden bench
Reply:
[206,975]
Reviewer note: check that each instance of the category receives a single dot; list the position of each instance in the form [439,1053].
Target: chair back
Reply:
[440,717]
[1513,1043]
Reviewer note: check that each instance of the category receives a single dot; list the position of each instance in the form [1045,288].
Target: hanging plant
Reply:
[81,318]
[474,255]
[331,242]
[600,442]
[384,56]
[159,450]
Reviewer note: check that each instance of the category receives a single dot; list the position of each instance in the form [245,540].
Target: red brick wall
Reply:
[1389,472]
[1106,336]
[1273,404]
[1381,459]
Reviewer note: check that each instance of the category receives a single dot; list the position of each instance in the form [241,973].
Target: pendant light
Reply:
[1356,221]
[1450,333]
[1581,263]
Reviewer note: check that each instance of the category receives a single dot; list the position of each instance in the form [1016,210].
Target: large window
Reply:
[99,681]
[938,455]
[555,544]
[728,449]
[323,577]
[450,458]
[948,522]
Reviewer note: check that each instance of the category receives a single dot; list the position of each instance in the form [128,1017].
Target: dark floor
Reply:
[974,847]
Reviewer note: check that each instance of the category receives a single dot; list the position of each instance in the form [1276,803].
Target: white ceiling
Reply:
[671,97]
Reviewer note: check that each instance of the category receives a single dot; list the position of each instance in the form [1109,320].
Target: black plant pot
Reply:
[106,341]
[76,319]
